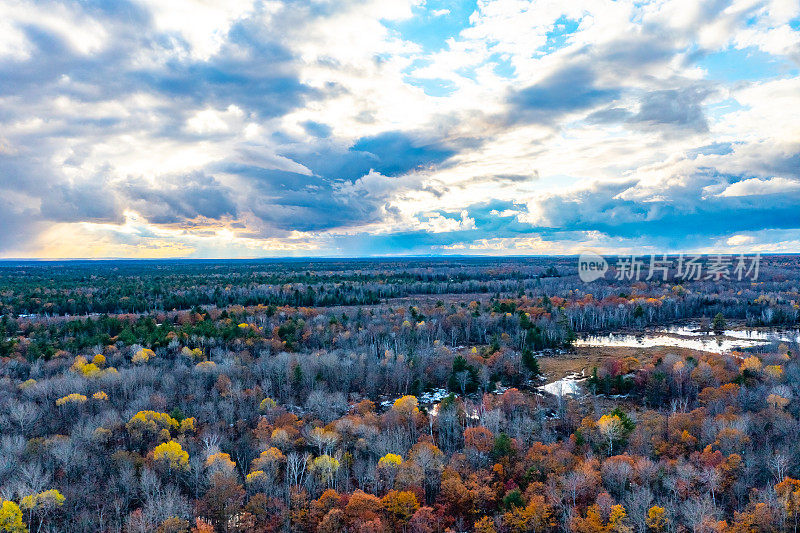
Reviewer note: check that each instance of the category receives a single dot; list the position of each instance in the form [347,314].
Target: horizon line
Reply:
[372,257]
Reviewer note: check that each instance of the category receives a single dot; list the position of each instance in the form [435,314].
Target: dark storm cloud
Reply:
[94,77]
[578,86]
[786,164]
[258,88]
[491,220]
[653,46]
[252,69]
[671,217]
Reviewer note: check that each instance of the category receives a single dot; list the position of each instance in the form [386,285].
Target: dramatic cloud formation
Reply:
[141,128]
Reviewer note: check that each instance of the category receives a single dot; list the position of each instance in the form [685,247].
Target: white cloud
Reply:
[757,187]
[213,121]
[13,44]
[738,240]
[203,24]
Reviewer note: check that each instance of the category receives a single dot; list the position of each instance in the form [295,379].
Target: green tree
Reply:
[718,324]
[531,362]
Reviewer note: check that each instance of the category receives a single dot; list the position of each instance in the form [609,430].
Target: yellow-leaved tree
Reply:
[220,463]
[485,525]
[402,504]
[78,363]
[597,521]
[188,425]
[100,395]
[267,404]
[42,504]
[788,492]
[611,428]
[171,455]
[534,517]
[406,406]
[11,518]
[146,425]
[325,468]
[387,468]
[390,460]
[657,520]
[752,364]
[269,461]
[71,398]
[142,356]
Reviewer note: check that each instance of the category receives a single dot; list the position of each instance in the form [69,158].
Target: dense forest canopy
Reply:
[389,395]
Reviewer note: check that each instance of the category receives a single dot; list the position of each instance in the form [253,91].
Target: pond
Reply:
[569,384]
[691,336]
[682,336]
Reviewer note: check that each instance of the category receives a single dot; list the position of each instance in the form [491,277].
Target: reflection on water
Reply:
[692,337]
[684,336]
[772,335]
[708,344]
[571,384]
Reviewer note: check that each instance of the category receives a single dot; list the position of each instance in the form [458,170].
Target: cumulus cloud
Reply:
[759,187]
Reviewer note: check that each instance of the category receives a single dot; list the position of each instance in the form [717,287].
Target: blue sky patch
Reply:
[559,34]
[434,22]
[746,64]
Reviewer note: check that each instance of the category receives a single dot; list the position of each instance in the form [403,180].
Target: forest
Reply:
[392,395]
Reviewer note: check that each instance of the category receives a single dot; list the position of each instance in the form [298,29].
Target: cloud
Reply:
[681,108]
[91,201]
[567,90]
[676,111]
[396,152]
[180,198]
[20,226]
[759,187]
[324,126]
[317,129]
[738,240]
[391,153]
[676,211]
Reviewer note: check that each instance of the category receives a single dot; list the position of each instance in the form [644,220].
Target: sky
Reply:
[192,128]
